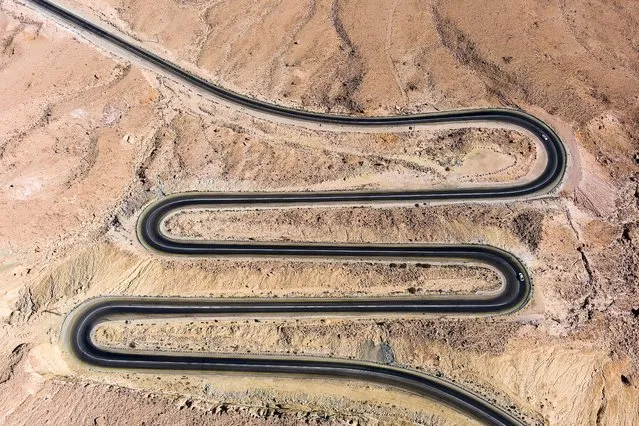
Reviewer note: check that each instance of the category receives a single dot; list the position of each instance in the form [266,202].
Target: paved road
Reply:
[88,316]
[514,293]
[547,138]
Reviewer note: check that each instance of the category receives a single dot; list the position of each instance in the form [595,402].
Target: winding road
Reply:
[514,293]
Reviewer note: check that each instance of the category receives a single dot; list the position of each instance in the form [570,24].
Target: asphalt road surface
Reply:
[514,293]
[78,333]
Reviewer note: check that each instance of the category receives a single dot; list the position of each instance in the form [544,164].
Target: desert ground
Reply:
[89,137]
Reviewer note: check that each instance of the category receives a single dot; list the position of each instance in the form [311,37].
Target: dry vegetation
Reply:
[87,138]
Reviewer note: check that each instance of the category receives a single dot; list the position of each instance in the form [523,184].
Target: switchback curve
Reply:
[514,293]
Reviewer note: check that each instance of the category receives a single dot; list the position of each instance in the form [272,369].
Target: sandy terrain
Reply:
[88,138]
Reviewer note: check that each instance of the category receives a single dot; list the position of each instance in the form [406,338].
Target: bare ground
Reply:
[88,139]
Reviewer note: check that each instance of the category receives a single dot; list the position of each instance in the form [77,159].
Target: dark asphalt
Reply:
[545,182]
[514,294]
[92,313]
